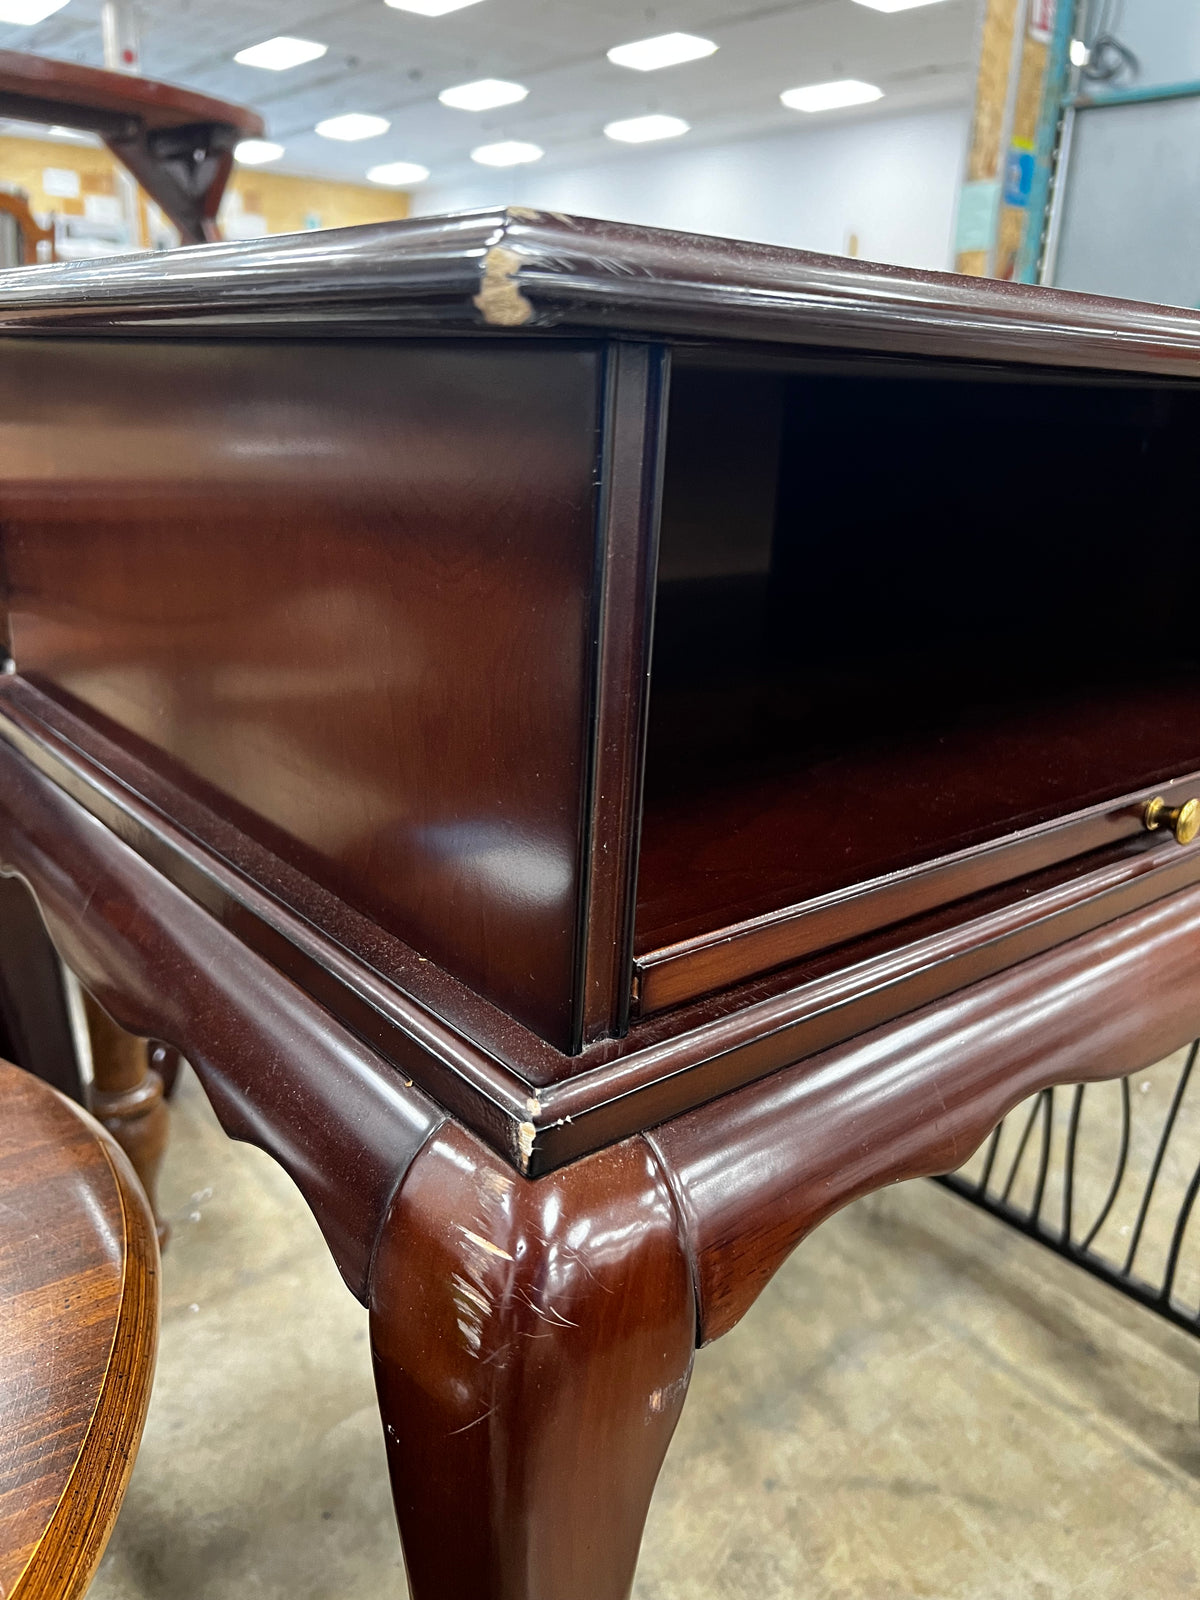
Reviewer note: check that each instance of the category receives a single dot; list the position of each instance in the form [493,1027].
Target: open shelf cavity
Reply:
[903,612]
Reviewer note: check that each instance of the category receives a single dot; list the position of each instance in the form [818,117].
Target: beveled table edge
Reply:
[520,270]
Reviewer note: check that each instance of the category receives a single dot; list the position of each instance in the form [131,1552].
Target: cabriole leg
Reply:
[533,1343]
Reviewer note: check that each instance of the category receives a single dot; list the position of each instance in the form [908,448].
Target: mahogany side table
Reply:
[600,746]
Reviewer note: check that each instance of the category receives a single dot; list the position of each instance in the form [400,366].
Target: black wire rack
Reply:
[1107,1175]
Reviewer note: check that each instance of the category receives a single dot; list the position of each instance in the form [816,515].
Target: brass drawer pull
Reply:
[1183,821]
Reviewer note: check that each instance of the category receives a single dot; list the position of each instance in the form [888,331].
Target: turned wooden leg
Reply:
[126,1096]
[533,1342]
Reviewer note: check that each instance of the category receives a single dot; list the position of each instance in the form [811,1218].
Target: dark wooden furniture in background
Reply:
[178,144]
[118,1077]
[78,1332]
[125,1096]
[511,700]
[35,1019]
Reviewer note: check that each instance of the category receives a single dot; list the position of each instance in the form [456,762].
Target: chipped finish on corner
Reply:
[500,298]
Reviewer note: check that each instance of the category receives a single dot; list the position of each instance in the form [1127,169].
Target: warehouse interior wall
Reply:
[256,202]
[884,188]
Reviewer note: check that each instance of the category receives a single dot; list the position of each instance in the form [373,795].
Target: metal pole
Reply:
[1058,194]
[1055,95]
[122,53]
[1020,23]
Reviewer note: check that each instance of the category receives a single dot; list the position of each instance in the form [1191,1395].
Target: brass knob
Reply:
[1183,821]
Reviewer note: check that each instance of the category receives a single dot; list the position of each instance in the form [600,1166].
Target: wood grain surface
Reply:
[353,595]
[78,1333]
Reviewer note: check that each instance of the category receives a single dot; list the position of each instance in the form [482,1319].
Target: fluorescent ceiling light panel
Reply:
[280,53]
[508,153]
[429,8]
[257,152]
[829,96]
[24,13]
[896,5]
[353,125]
[667,50]
[398,174]
[483,95]
[641,130]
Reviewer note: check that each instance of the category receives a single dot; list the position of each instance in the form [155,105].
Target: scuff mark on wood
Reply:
[471,1334]
[547,1313]
[662,1399]
[484,1244]
[462,1287]
[500,298]
[526,1134]
[473,1424]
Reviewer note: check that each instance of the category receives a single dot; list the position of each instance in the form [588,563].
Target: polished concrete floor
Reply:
[922,1404]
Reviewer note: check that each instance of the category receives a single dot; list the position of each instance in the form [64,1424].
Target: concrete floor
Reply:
[922,1404]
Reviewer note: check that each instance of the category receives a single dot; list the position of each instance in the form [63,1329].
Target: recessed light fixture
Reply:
[641,130]
[353,125]
[257,152]
[829,96]
[278,54]
[896,5]
[508,153]
[429,8]
[483,95]
[398,174]
[24,13]
[667,50]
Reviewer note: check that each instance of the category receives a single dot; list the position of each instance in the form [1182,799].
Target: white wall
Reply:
[893,181]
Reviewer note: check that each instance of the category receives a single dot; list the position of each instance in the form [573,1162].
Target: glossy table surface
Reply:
[519,269]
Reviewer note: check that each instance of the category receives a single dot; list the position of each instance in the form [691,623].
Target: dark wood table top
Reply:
[108,102]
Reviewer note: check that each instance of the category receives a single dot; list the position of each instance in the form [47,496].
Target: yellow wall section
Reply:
[286,203]
[22,162]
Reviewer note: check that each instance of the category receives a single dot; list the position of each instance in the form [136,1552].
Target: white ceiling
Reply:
[394,63]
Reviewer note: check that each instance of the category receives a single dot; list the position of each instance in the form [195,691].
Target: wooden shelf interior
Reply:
[900,613]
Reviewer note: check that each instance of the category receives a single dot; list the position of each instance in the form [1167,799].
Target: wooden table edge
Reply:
[65,1558]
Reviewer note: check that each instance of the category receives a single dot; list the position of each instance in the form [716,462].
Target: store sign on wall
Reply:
[1041,20]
